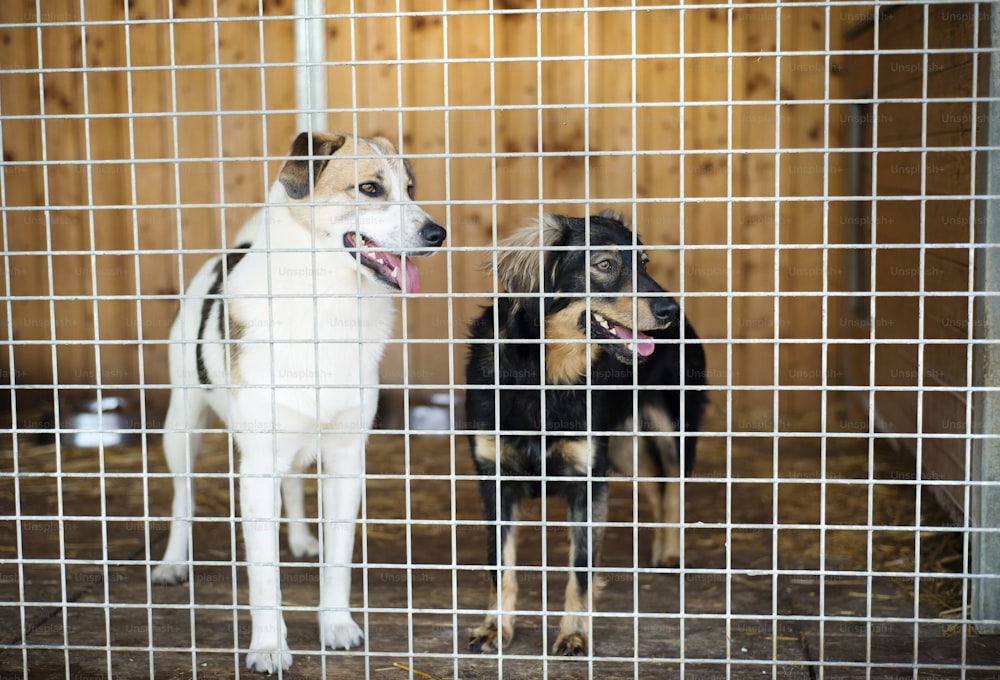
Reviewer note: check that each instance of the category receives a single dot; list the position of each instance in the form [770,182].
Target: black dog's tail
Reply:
[695,396]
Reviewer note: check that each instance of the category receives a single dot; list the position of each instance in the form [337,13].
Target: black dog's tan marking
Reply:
[606,324]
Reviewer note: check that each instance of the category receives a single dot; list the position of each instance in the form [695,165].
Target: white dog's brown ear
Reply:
[307,158]
[518,260]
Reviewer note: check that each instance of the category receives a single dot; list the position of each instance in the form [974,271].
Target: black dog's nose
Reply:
[433,234]
[665,310]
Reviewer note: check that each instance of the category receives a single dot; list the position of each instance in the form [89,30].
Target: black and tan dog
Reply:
[583,336]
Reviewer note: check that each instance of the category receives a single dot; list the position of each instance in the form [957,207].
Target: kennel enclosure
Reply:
[815,180]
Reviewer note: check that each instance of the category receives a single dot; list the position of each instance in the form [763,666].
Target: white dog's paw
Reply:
[340,632]
[171,573]
[268,661]
[268,654]
[268,643]
[303,543]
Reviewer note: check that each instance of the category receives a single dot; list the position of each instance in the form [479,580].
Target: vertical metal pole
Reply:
[986,449]
[310,72]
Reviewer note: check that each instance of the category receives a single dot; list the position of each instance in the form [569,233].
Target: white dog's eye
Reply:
[411,190]
[372,189]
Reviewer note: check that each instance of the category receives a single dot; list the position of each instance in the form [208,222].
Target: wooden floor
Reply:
[77,602]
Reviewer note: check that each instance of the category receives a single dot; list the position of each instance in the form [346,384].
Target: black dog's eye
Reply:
[606,265]
[373,189]
[643,260]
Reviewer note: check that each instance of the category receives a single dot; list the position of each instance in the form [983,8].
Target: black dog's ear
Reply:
[612,215]
[518,259]
[307,158]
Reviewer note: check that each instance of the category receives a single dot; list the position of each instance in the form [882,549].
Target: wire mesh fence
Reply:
[812,184]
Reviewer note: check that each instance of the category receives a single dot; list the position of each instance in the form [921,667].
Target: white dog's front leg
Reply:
[260,509]
[343,466]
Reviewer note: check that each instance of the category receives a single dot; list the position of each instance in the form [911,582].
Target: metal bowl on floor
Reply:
[91,423]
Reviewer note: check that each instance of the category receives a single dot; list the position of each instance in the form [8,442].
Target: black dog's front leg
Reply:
[499,622]
[585,500]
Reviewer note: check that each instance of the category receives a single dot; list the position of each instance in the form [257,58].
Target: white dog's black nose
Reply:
[433,234]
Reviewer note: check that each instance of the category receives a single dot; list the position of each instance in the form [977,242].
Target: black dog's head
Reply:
[592,281]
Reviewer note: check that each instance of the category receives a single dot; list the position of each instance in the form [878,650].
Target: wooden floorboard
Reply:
[749,601]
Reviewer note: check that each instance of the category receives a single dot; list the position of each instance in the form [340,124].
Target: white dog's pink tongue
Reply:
[412,276]
[643,343]
[406,273]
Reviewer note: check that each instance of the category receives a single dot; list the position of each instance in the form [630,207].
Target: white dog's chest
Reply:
[319,356]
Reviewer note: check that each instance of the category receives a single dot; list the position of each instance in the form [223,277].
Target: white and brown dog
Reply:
[282,338]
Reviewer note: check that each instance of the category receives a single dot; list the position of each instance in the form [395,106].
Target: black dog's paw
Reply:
[484,639]
[666,561]
[574,644]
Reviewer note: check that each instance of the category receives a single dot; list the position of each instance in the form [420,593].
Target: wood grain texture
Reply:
[922,228]
[707,127]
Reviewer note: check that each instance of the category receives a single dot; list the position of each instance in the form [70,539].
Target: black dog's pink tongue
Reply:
[642,342]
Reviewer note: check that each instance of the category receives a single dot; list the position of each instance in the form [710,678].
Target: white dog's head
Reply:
[357,193]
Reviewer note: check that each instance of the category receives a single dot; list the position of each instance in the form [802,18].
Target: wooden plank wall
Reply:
[141,142]
[563,113]
[921,245]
